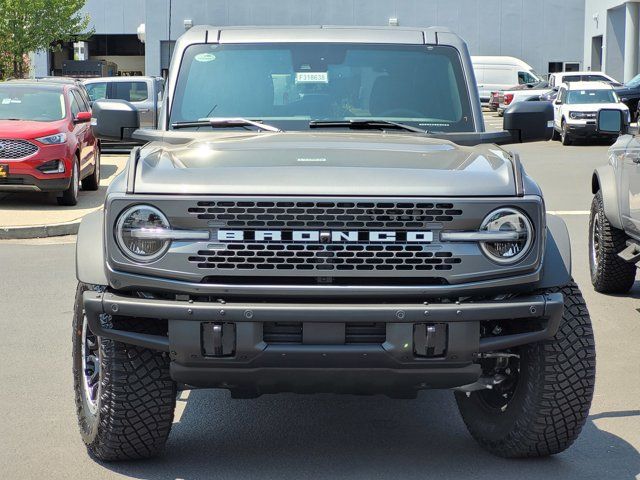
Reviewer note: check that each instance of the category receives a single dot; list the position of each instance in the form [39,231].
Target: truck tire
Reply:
[565,136]
[124,395]
[543,411]
[609,273]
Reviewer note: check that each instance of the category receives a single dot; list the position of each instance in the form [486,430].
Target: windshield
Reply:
[634,82]
[591,96]
[287,85]
[18,102]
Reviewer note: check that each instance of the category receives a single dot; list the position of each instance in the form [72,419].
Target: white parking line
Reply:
[181,404]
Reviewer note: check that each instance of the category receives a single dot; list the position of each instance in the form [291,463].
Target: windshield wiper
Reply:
[225,123]
[364,124]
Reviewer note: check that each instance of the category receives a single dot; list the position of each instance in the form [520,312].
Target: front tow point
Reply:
[218,339]
[430,339]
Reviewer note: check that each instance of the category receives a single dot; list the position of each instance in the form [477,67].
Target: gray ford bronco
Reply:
[321,210]
[614,226]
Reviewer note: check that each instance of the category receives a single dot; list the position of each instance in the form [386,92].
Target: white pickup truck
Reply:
[509,97]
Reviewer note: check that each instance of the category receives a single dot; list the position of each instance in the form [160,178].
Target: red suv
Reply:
[46,143]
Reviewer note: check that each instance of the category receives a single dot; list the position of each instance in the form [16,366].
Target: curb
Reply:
[40,231]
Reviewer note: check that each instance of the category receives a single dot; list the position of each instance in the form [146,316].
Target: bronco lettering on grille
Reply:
[319,236]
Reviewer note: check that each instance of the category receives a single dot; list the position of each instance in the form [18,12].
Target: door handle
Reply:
[143,110]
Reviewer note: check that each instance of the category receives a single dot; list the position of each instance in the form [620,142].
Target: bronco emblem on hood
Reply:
[325,236]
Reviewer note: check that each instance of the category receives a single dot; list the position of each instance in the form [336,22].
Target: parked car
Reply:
[321,210]
[145,93]
[557,79]
[501,72]
[519,94]
[494,101]
[576,108]
[629,94]
[614,223]
[76,82]
[46,143]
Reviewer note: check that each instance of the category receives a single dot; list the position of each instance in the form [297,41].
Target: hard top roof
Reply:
[319,33]
[588,86]
[123,78]
[582,72]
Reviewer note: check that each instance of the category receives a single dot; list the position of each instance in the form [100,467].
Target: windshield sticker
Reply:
[205,57]
[312,77]
[6,101]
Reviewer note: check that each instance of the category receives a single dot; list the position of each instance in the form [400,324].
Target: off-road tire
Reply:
[69,197]
[609,273]
[552,396]
[136,398]
[92,182]
[565,136]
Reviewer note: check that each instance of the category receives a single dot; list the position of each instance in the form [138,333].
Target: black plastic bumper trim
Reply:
[33,184]
[256,381]
[529,307]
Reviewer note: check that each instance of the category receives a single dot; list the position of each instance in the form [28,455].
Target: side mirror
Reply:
[529,121]
[611,121]
[557,101]
[114,120]
[82,117]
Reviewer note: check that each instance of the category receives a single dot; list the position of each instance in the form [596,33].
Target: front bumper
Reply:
[585,129]
[29,183]
[322,361]
[25,176]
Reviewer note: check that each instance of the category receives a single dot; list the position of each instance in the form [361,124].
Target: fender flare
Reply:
[556,267]
[90,262]
[604,181]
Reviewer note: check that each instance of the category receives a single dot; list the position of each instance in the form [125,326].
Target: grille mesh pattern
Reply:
[13,149]
[369,215]
[324,257]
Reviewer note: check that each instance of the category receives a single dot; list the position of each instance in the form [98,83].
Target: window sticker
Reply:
[6,101]
[205,57]
[312,77]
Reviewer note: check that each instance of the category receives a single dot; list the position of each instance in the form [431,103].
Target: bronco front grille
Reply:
[326,240]
[324,214]
[324,257]
[15,149]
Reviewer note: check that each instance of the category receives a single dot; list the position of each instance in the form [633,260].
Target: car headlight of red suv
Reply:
[54,139]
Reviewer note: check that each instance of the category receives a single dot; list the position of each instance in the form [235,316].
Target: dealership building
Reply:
[551,35]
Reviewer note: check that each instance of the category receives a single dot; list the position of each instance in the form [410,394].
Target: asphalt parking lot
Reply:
[320,436]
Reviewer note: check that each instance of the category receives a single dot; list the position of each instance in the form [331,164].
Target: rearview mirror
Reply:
[529,121]
[611,121]
[114,120]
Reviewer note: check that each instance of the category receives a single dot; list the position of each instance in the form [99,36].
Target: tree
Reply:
[31,25]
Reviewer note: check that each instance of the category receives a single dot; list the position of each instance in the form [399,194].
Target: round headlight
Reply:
[140,248]
[507,220]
